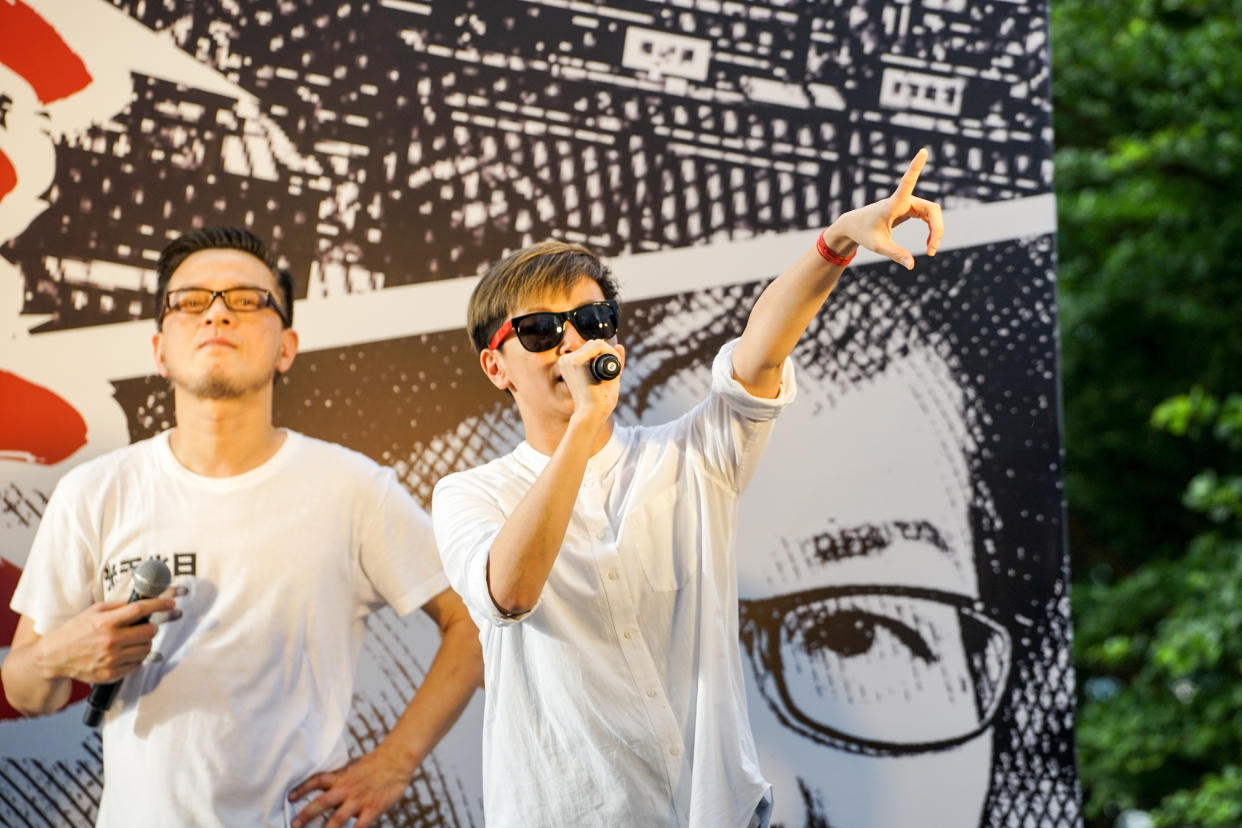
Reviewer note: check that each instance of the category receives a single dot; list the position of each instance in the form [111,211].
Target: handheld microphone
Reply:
[606,367]
[150,579]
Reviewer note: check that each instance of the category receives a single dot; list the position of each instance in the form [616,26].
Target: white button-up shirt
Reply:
[619,699]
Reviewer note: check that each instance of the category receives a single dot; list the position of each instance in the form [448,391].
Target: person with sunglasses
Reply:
[597,560]
[236,693]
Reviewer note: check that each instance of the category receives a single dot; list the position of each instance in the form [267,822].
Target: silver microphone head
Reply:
[151,578]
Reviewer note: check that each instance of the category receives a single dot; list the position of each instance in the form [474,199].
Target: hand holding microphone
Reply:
[590,372]
[150,579]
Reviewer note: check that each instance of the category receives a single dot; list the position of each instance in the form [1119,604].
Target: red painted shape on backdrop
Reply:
[8,175]
[9,573]
[36,424]
[34,50]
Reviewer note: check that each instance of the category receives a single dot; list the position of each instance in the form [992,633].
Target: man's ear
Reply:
[493,365]
[288,350]
[157,348]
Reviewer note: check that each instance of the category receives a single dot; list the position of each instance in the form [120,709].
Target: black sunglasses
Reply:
[543,330]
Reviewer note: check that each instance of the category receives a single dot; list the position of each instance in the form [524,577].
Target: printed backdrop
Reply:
[904,612]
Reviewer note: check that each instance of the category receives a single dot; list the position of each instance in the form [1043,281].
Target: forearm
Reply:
[103,643]
[455,674]
[28,686]
[786,307]
[522,555]
[782,313]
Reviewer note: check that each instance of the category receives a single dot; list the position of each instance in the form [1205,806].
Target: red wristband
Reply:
[822,248]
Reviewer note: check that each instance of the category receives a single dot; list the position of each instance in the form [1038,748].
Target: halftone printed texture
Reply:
[397,143]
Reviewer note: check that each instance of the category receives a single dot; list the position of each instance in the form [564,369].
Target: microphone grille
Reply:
[606,367]
[151,578]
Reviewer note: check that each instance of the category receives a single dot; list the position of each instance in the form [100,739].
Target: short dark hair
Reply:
[219,238]
[530,272]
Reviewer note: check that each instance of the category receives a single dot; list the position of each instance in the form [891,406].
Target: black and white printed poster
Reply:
[904,599]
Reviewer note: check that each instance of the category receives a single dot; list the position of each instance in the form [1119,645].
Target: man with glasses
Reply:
[237,689]
[598,560]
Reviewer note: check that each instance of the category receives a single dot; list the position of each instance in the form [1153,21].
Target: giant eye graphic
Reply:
[878,669]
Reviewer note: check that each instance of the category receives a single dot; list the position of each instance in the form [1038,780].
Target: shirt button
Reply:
[651,694]
[674,750]
[601,534]
[613,575]
[628,634]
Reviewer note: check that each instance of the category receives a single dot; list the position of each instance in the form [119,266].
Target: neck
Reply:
[223,438]
[544,437]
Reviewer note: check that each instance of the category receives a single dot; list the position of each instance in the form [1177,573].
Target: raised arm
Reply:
[788,304]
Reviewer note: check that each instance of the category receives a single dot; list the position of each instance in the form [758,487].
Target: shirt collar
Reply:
[598,465]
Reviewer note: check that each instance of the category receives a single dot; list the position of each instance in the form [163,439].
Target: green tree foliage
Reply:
[1161,654]
[1148,131]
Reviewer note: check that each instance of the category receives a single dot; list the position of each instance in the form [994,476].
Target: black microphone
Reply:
[150,579]
[606,367]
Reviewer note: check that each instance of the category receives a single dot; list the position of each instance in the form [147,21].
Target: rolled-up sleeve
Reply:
[741,400]
[731,427]
[466,522]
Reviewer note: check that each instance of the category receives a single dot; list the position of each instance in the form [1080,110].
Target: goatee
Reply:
[213,387]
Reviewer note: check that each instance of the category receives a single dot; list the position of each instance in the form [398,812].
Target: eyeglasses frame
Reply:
[269,301]
[755,634]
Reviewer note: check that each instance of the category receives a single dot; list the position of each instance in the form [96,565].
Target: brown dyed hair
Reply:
[533,271]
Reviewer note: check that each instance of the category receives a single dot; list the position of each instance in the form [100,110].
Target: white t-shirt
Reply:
[252,689]
[619,699]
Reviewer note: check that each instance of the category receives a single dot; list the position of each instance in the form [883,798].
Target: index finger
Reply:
[132,612]
[321,781]
[581,357]
[906,187]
